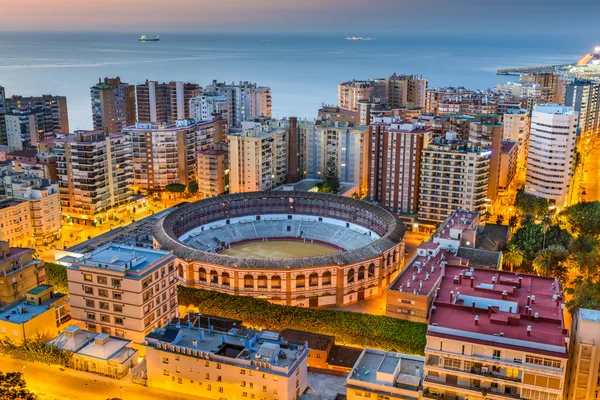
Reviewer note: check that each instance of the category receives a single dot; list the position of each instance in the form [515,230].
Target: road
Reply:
[591,175]
[376,305]
[51,382]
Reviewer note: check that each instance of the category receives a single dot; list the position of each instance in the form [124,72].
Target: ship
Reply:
[145,38]
[359,38]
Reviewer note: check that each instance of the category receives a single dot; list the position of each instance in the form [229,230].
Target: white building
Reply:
[246,100]
[203,108]
[583,380]
[121,290]
[258,156]
[516,128]
[552,146]
[26,127]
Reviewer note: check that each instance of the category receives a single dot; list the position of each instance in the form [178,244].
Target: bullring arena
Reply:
[295,248]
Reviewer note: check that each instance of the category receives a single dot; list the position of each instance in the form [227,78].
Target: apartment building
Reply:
[485,132]
[213,172]
[583,379]
[454,175]
[324,139]
[555,83]
[246,100]
[406,90]
[532,92]
[122,291]
[208,105]
[386,375]
[96,173]
[433,97]
[163,154]
[467,106]
[19,272]
[186,358]
[211,133]
[350,93]
[44,204]
[258,156]
[584,98]
[56,104]
[516,125]
[15,223]
[338,114]
[552,147]
[165,102]
[496,334]
[26,127]
[508,164]
[113,105]
[3,138]
[393,154]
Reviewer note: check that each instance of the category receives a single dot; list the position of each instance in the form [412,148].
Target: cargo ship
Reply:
[359,38]
[145,38]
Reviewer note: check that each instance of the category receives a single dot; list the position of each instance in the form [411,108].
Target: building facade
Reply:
[393,152]
[584,98]
[406,90]
[56,104]
[206,106]
[552,147]
[485,132]
[454,175]
[15,225]
[113,105]
[583,380]
[96,174]
[122,291]
[351,93]
[516,125]
[26,127]
[165,102]
[213,172]
[246,100]
[258,156]
[19,272]
[508,164]
[163,154]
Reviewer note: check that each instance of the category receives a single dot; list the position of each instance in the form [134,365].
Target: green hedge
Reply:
[349,328]
[36,350]
[56,275]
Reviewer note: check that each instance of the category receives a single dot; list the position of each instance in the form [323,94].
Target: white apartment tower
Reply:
[516,128]
[552,146]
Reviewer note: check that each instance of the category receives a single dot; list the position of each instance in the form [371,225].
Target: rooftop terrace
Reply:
[119,258]
[20,312]
[391,370]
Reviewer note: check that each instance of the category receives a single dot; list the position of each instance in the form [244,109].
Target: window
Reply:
[119,333]
[350,276]
[119,320]
[116,283]
[207,376]
[512,373]
[106,330]
[452,363]
[178,369]
[104,318]
[103,305]
[89,303]
[326,279]
[243,371]
[165,372]
[496,354]
[118,308]
[300,281]
[87,277]
[179,380]
[165,360]
[117,295]
[102,292]
[243,383]
[102,280]
[91,315]
[88,290]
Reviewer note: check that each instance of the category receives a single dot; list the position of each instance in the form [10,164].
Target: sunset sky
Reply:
[510,16]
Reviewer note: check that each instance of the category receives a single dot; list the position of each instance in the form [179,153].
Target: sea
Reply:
[303,70]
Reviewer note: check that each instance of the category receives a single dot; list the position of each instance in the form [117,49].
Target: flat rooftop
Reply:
[505,303]
[120,258]
[388,369]
[458,221]
[20,312]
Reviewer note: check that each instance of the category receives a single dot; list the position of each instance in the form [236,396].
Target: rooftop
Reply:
[555,109]
[508,146]
[456,223]
[589,315]
[92,344]
[120,258]
[315,341]
[388,369]
[343,356]
[20,312]
[508,309]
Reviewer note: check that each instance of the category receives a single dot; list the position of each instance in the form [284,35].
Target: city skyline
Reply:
[309,16]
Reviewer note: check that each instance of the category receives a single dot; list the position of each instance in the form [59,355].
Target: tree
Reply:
[13,387]
[513,221]
[513,256]
[175,188]
[551,262]
[331,177]
[500,219]
[529,239]
[582,219]
[193,188]
[585,294]
[531,204]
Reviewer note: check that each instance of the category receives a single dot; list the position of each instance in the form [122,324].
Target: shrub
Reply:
[350,328]
[56,275]
[36,350]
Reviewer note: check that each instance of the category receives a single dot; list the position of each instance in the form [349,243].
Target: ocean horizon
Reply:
[303,70]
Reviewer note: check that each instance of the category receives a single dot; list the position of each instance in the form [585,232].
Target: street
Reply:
[51,382]
[591,175]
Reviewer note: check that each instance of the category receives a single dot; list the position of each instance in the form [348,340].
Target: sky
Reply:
[351,16]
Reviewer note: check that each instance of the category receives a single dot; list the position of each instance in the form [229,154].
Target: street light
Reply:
[121,392]
[23,372]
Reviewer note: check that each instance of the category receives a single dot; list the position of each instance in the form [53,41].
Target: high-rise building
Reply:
[26,127]
[56,104]
[113,105]
[324,139]
[551,158]
[165,102]
[454,176]
[584,98]
[508,164]
[406,90]
[213,173]
[393,151]
[206,106]
[246,100]
[352,92]
[258,156]
[122,291]
[496,334]
[16,223]
[555,83]
[96,174]
[485,132]
[583,380]
[336,113]
[3,139]
[433,97]
[20,272]
[531,92]
[44,204]
[516,124]
[163,154]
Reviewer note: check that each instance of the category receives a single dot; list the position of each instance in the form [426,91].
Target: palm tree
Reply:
[551,262]
[513,221]
[546,221]
[513,256]
[543,263]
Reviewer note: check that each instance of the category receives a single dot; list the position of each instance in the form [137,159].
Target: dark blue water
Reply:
[302,70]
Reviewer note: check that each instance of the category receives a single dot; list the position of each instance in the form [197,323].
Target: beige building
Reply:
[19,272]
[121,290]
[95,172]
[15,223]
[163,154]
[165,102]
[352,92]
[583,381]
[113,105]
[44,204]
[508,164]
[213,173]
[406,90]
[56,104]
[235,366]
[556,84]
[485,132]
[516,124]
[381,375]
[258,156]
[446,185]
[434,97]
